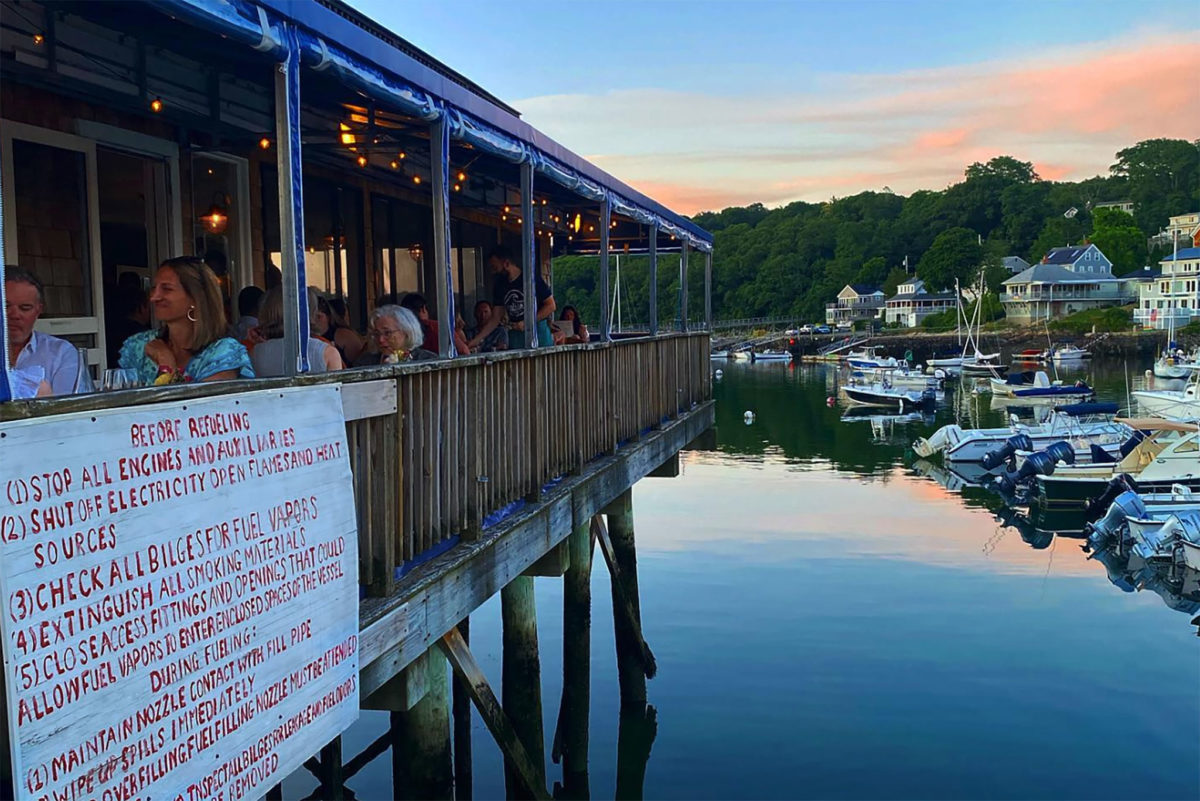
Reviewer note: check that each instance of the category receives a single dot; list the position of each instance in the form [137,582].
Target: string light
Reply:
[462,176]
[458,187]
[543,201]
[591,229]
[401,155]
[156,105]
[362,161]
[507,209]
[416,179]
[264,143]
[395,164]
[519,221]
[504,218]
[38,39]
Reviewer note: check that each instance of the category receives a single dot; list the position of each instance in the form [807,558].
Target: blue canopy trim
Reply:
[356,56]
[5,388]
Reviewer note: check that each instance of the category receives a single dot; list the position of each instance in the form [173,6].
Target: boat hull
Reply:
[1168,405]
[1076,492]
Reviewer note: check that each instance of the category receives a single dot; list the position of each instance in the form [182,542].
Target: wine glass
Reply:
[121,378]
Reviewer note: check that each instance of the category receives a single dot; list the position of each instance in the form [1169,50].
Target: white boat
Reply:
[719,354]
[742,355]
[771,356]
[971,445]
[1113,526]
[1173,404]
[868,358]
[902,377]
[1173,363]
[1069,353]
[1039,387]
[884,395]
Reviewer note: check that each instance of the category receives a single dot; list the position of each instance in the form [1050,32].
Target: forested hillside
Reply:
[791,261]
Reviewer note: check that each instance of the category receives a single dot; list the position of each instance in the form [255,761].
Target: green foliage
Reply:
[790,261]
[942,321]
[1163,179]
[1115,318]
[1119,238]
[954,254]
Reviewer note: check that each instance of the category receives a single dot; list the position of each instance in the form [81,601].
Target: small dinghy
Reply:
[771,356]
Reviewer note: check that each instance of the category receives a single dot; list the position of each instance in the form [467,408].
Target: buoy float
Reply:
[1149,373]
[719,374]
[830,401]
[748,417]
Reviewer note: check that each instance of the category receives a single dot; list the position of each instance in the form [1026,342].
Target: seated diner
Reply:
[37,356]
[267,356]
[398,335]
[190,342]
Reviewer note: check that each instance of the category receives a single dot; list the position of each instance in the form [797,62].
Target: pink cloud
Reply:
[1068,111]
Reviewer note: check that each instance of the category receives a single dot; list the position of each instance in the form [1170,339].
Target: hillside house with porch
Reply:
[1175,294]
[912,303]
[1067,280]
[855,303]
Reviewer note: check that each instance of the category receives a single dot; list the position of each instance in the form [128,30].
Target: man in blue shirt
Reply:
[509,295]
[30,350]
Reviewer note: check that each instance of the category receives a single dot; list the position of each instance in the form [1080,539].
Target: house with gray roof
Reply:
[1067,280]
[912,303]
[855,303]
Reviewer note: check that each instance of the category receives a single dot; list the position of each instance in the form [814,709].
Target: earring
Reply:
[191,316]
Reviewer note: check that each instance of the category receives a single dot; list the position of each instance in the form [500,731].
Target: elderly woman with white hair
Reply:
[397,335]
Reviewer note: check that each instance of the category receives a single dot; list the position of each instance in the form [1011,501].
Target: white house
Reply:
[1067,280]
[1182,228]
[1174,294]
[912,303]
[855,303]
[1120,205]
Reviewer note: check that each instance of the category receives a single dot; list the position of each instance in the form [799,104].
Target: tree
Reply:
[955,253]
[894,279]
[873,272]
[1006,168]
[1119,239]
[1056,233]
[1164,179]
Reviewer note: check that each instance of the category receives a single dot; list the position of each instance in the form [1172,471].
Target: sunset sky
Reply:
[704,105]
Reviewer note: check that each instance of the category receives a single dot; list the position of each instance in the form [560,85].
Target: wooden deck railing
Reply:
[439,448]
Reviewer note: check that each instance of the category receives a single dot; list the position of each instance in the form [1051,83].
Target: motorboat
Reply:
[719,354]
[902,377]
[1168,454]
[1173,404]
[1069,353]
[1037,386]
[1113,527]
[1031,356]
[869,358]
[883,394]
[983,364]
[771,356]
[971,445]
[743,355]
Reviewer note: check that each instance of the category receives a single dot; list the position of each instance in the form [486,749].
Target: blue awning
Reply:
[391,76]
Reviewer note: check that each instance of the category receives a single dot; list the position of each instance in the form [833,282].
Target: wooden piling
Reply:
[332,785]
[463,778]
[521,682]
[572,737]
[421,764]
[635,737]
[631,667]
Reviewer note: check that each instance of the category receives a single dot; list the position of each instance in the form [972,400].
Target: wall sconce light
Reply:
[216,219]
[347,136]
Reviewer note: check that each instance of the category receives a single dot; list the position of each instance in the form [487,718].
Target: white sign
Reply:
[180,595]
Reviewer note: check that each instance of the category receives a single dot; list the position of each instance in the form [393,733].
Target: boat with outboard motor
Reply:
[770,356]
[1069,353]
[1167,454]
[1113,526]
[884,395]
[902,377]
[971,445]
[869,358]
[1037,386]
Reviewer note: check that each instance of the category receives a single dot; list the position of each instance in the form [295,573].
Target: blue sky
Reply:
[802,92]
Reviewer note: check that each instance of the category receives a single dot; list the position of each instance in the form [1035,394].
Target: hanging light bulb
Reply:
[264,143]
[156,105]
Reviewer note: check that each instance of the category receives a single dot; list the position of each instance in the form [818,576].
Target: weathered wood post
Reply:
[630,665]
[521,680]
[577,658]
[635,737]
[421,766]
[332,785]
[463,778]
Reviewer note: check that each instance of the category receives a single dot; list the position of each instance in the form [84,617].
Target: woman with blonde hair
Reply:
[190,342]
[268,355]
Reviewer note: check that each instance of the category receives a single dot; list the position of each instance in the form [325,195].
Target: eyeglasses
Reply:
[384,333]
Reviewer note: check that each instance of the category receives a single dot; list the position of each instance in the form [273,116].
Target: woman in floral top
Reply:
[190,343]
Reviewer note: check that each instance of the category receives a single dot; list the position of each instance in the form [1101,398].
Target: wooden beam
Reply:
[553,564]
[438,594]
[494,717]
[622,604]
[668,469]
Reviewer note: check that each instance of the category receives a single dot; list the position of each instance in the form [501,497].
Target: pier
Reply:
[309,544]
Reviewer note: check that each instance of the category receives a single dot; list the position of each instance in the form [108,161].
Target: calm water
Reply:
[829,623]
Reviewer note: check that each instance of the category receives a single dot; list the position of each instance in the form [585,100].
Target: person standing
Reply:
[56,359]
[509,295]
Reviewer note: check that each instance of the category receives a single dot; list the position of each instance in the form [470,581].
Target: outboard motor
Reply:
[1124,506]
[1018,442]
[1060,452]
[1041,463]
[1119,484]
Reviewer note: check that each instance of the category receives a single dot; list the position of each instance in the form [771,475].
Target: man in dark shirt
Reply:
[509,296]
